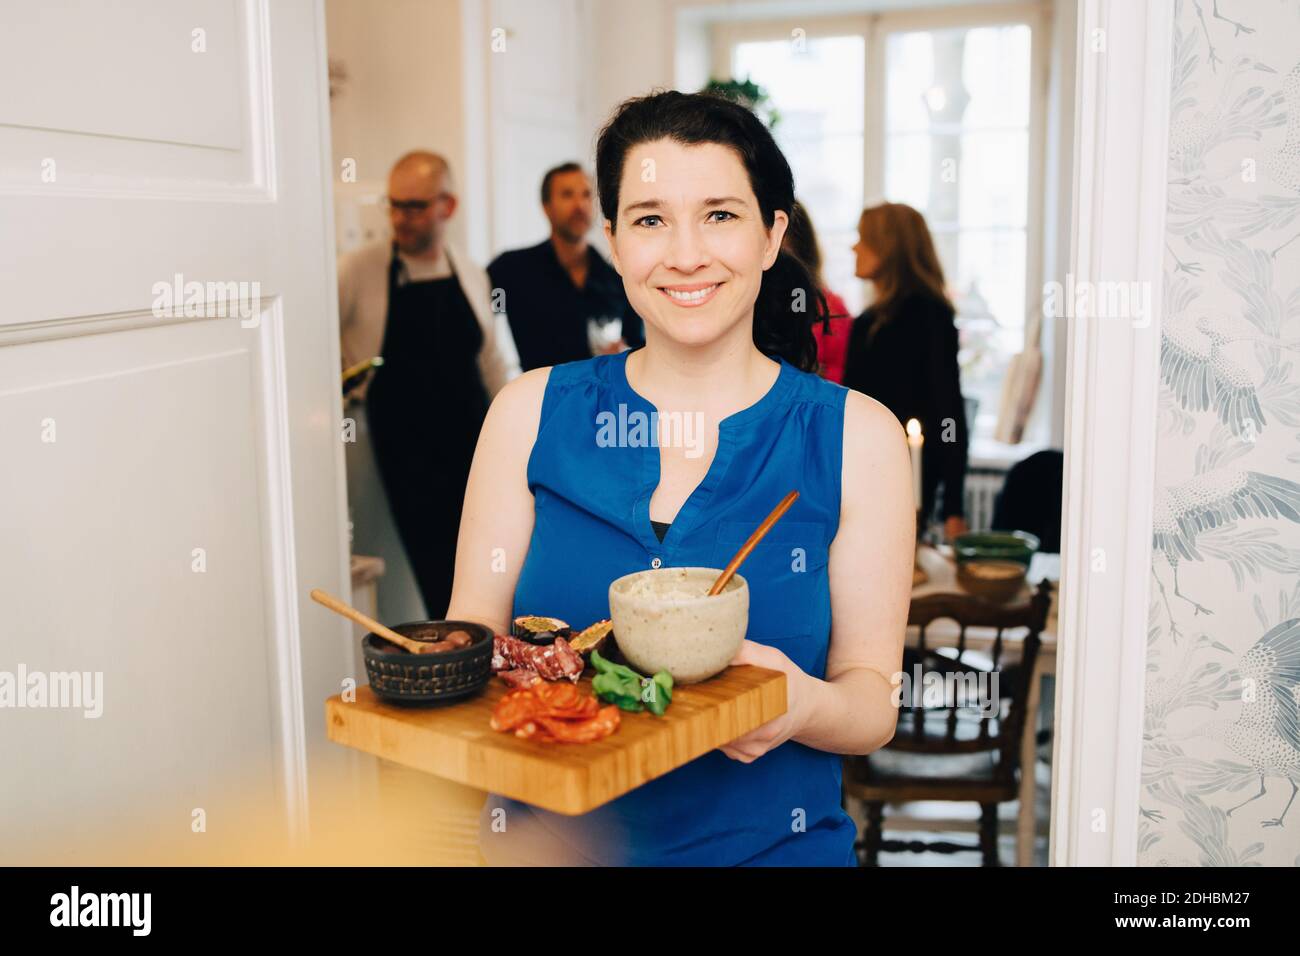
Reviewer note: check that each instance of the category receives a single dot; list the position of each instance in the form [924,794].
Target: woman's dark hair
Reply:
[801,242]
[789,299]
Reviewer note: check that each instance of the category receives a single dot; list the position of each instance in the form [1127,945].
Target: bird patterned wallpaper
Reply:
[1221,737]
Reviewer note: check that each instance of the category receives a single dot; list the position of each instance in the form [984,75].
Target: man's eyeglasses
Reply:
[412,205]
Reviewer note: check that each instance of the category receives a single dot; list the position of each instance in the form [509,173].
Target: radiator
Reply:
[982,487]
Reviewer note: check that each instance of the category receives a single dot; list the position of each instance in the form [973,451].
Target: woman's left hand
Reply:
[798,692]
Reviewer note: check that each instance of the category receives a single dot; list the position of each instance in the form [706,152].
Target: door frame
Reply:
[1112,387]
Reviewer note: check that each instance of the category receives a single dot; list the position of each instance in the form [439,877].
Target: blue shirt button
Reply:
[655,563]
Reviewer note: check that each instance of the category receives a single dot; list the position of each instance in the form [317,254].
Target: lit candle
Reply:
[914,442]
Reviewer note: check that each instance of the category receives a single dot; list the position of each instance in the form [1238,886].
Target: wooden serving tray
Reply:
[456,743]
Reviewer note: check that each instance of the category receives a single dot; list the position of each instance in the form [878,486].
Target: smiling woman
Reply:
[696,197]
[726,249]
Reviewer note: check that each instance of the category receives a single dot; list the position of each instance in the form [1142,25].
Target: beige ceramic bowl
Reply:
[665,621]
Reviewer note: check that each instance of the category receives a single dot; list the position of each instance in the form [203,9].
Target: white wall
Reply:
[404,87]
[539,79]
[632,51]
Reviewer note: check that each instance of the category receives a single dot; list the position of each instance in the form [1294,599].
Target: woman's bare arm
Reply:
[852,710]
[496,523]
[871,584]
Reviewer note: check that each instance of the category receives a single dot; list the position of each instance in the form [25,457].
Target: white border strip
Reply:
[1122,122]
[282,579]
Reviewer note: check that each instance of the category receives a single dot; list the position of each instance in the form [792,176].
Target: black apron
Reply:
[425,406]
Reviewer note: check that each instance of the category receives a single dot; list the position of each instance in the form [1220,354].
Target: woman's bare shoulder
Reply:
[867,421]
[873,437]
[520,399]
[513,420]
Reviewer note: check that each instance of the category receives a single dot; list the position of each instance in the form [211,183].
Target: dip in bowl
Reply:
[664,620]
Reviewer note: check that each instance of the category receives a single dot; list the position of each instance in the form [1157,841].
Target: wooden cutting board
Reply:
[456,743]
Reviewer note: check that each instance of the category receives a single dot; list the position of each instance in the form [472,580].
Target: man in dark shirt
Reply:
[552,291]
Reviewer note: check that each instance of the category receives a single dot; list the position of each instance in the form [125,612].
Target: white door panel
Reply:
[184,85]
[172,484]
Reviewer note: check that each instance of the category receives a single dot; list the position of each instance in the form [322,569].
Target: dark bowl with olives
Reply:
[460,671]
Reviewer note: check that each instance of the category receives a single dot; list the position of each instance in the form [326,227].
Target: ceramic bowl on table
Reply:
[400,677]
[995,580]
[665,620]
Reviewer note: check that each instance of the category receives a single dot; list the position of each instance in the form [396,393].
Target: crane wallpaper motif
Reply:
[1221,736]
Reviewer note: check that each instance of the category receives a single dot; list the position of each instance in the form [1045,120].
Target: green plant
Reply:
[749,95]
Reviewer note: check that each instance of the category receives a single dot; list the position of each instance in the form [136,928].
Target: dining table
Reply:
[938,575]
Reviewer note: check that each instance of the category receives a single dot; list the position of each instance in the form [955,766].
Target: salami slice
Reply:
[560,696]
[554,713]
[515,708]
[604,723]
[551,662]
[571,663]
[520,677]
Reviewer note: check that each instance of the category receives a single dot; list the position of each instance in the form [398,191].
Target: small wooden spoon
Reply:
[387,633]
[754,538]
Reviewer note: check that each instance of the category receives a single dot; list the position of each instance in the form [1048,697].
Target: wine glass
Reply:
[604,332]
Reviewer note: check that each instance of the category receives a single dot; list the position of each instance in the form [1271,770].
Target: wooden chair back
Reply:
[916,726]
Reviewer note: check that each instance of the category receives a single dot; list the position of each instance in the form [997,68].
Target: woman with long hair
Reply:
[903,348]
[696,197]
[832,329]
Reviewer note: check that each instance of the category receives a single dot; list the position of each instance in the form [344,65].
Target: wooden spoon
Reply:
[387,633]
[754,538]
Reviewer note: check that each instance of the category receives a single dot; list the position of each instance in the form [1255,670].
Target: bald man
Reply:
[425,308]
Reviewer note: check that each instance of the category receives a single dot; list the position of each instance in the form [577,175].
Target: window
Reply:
[821,135]
[936,109]
[957,149]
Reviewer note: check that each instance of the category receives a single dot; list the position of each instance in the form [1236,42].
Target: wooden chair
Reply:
[951,752]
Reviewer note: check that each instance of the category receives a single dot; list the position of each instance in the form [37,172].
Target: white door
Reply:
[171,483]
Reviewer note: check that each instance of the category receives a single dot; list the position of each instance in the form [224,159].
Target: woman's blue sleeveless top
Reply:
[592,470]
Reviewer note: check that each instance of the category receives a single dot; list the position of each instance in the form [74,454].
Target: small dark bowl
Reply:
[400,677]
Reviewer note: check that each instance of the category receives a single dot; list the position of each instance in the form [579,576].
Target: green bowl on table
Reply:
[1018,546]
